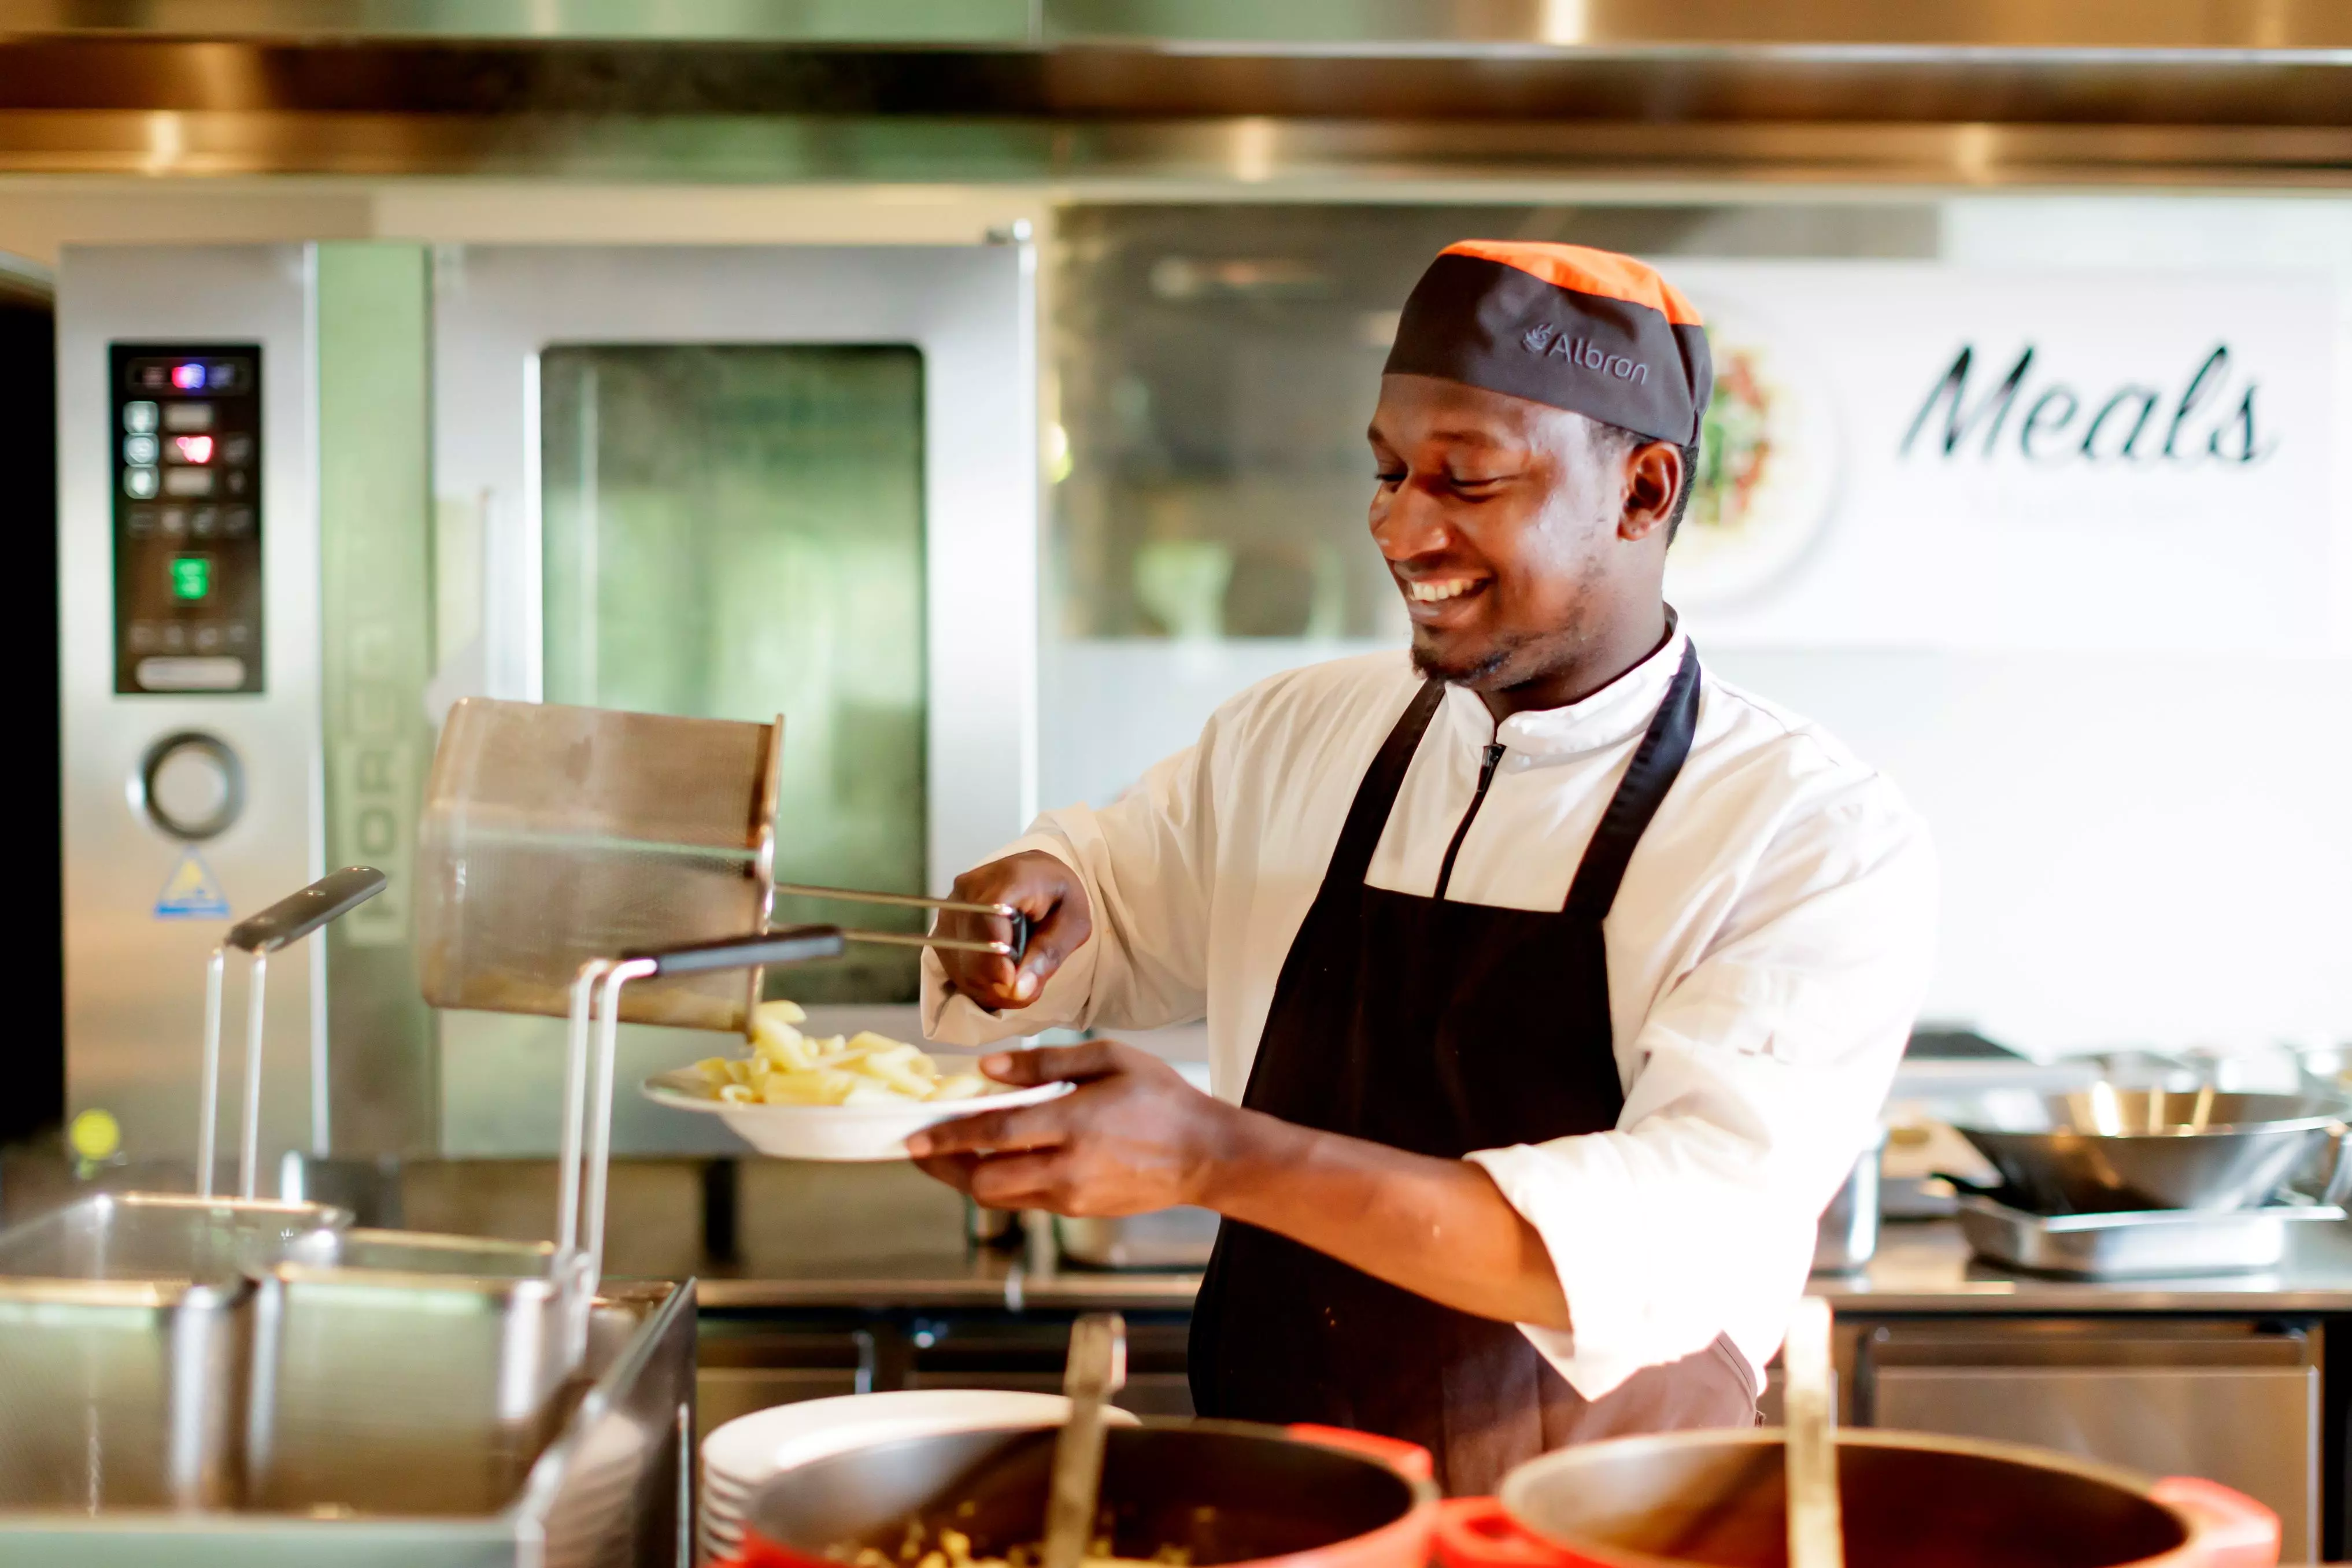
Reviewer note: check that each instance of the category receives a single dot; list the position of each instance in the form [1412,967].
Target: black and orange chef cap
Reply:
[1580,329]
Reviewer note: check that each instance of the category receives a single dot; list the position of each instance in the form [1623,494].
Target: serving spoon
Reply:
[1816,1530]
[1096,1370]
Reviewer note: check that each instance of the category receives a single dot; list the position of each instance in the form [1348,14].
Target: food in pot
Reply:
[788,1067]
[954,1550]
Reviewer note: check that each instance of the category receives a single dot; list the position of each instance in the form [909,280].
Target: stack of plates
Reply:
[739,1456]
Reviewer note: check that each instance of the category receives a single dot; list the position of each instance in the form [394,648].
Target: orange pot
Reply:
[1229,1492]
[1910,1500]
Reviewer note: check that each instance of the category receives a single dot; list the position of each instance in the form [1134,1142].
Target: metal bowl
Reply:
[2103,1148]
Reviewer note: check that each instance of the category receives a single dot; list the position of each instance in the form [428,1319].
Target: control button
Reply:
[188,481]
[142,637]
[203,521]
[237,633]
[224,374]
[237,449]
[173,520]
[189,415]
[139,521]
[154,372]
[236,522]
[208,639]
[236,482]
[221,672]
[139,448]
[175,635]
[191,784]
[138,484]
[138,415]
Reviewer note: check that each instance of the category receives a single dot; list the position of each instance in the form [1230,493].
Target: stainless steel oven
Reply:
[311,494]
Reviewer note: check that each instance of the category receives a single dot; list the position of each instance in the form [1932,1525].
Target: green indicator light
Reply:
[192,576]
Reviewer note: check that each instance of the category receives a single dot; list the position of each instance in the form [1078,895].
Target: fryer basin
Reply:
[125,1323]
[166,1235]
[121,1394]
[417,1373]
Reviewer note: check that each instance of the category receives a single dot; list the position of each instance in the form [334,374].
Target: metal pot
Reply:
[1909,1501]
[1226,1491]
[2106,1149]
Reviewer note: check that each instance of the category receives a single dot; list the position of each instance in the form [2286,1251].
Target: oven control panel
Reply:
[187,439]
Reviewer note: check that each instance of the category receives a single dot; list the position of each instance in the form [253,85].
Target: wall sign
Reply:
[1911,455]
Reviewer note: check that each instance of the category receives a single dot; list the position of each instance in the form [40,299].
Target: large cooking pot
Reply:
[1225,1491]
[2107,1149]
[1909,1501]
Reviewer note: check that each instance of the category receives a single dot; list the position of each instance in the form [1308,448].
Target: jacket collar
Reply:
[1615,713]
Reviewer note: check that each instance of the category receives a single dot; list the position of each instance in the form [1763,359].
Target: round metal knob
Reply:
[192,786]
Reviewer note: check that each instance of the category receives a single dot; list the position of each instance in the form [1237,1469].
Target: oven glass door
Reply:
[738,482]
[735,532]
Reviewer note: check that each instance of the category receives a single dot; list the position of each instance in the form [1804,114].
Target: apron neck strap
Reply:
[1656,762]
[1368,817]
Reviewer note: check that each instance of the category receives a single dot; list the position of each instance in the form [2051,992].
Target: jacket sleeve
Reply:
[1147,864]
[1762,1072]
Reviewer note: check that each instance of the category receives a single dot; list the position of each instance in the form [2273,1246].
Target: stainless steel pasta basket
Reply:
[554,835]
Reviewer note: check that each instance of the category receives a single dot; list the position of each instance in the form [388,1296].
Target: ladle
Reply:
[1816,1533]
[1096,1370]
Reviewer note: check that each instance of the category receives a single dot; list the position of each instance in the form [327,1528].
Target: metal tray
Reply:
[2135,1243]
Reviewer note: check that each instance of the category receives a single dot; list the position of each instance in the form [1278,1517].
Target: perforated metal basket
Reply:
[554,835]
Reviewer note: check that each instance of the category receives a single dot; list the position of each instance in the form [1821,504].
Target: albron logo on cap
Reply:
[1546,342]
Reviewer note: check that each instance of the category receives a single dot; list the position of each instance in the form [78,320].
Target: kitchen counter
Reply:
[769,1234]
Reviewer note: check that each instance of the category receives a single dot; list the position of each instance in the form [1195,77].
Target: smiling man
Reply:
[1552,985]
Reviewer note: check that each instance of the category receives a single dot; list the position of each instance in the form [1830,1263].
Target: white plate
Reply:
[749,1449]
[838,1133]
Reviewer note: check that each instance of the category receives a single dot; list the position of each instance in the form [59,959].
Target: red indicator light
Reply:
[193,448]
[188,377]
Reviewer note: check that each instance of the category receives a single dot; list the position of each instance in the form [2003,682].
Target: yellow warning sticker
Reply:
[190,893]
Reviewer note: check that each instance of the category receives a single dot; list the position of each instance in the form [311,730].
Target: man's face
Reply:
[1515,529]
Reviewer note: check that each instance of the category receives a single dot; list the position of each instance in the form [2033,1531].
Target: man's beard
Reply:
[1469,673]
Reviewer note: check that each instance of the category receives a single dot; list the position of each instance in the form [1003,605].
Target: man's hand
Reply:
[1132,1137]
[1040,887]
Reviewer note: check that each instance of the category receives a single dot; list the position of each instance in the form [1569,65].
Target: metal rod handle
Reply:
[791,944]
[208,1091]
[292,918]
[248,1152]
[1012,949]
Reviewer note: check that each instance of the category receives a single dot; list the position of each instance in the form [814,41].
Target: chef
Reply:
[1553,984]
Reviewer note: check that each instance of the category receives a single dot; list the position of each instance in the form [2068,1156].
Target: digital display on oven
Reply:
[187,442]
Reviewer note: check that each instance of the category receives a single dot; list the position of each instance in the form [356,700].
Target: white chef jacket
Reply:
[1767,954]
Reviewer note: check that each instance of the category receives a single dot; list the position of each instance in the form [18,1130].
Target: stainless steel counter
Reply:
[766,1234]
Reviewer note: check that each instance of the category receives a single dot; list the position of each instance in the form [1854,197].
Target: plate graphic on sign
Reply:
[190,893]
[1768,464]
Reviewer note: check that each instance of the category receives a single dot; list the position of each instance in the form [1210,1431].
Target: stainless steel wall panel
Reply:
[135,986]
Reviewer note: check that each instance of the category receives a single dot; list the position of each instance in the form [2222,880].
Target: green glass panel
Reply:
[734,531]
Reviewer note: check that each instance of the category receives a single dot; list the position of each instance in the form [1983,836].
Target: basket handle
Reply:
[283,923]
[292,918]
[792,944]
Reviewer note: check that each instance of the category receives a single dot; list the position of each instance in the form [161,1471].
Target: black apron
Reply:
[1440,1027]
